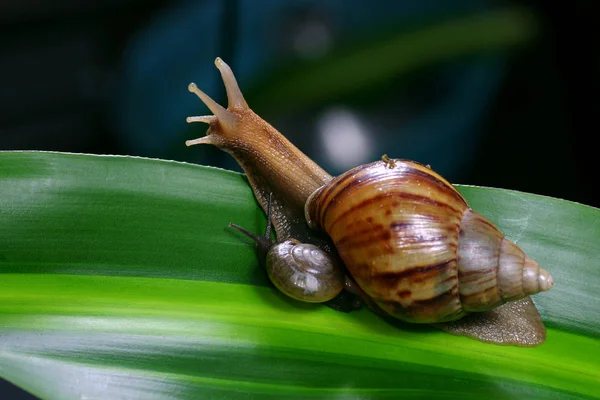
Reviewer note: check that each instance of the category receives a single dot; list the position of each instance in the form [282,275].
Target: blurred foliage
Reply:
[383,56]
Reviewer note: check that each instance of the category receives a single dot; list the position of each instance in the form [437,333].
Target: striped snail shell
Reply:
[411,246]
[412,243]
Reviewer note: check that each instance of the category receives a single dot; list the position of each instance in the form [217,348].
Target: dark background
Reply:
[110,77]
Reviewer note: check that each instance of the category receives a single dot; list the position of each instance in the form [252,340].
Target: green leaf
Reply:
[120,279]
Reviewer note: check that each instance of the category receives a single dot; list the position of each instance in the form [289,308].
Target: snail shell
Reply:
[304,272]
[412,243]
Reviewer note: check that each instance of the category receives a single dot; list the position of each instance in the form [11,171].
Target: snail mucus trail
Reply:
[392,232]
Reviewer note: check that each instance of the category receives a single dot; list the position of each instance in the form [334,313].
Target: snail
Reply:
[392,233]
[303,271]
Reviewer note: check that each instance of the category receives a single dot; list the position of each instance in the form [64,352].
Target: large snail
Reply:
[404,239]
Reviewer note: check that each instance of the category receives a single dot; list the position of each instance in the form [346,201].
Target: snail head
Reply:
[225,124]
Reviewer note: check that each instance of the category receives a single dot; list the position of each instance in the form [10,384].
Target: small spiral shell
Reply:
[304,271]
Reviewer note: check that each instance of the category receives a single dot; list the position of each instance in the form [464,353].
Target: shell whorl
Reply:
[413,244]
[492,269]
[304,272]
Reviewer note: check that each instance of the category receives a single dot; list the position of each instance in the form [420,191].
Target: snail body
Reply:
[393,232]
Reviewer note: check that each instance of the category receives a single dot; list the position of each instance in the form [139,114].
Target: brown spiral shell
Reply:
[412,243]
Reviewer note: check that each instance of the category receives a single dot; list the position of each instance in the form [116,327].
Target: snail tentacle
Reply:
[264,242]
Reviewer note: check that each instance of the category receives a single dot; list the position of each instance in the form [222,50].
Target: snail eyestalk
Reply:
[221,114]
[234,94]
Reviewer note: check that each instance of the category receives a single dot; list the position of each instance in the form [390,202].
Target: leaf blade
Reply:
[189,313]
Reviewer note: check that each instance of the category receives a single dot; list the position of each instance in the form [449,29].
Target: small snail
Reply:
[392,232]
[302,271]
